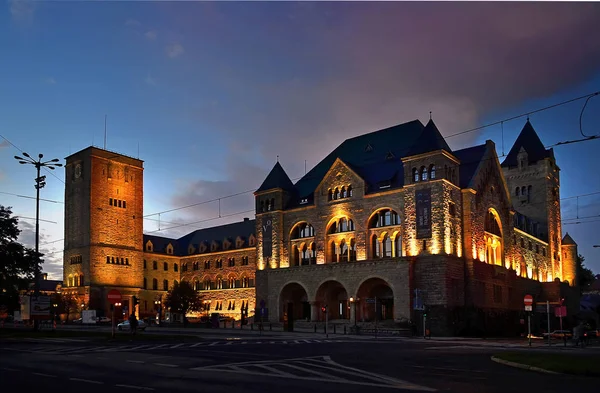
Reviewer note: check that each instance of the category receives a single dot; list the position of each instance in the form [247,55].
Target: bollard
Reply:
[315,327]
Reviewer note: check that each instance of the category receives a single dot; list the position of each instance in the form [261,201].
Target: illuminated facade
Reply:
[396,212]
[386,215]
[105,247]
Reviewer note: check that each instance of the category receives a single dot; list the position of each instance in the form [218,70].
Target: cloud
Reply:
[52,250]
[50,81]
[151,35]
[359,67]
[150,80]
[174,50]
[22,10]
[133,22]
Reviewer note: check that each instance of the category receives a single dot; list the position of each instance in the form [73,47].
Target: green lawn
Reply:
[120,336]
[557,362]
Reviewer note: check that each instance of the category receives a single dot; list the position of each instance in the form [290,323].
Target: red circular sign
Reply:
[528,299]
[114,296]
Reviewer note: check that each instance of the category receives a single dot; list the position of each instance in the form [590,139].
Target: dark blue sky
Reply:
[213,92]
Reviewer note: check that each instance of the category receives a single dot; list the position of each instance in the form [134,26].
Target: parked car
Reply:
[103,320]
[125,325]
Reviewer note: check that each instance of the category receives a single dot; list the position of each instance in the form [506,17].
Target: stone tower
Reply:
[271,198]
[103,225]
[569,260]
[533,180]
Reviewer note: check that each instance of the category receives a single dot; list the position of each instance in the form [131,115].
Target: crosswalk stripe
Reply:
[197,345]
[176,346]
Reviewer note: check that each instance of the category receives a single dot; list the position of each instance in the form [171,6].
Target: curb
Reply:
[523,366]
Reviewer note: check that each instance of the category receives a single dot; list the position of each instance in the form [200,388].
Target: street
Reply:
[271,364]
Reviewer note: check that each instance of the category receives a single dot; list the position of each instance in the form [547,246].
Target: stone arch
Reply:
[293,298]
[333,294]
[377,210]
[493,238]
[375,287]
[297,227]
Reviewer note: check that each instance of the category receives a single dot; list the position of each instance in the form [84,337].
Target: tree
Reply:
[18,263]
[182,298]
[66,303]
[585,277]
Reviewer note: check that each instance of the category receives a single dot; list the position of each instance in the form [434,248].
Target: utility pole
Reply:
[40,182]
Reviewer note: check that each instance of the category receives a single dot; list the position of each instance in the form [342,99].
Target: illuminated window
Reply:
[415,175]
[244,261]
[423,173]
[432,171]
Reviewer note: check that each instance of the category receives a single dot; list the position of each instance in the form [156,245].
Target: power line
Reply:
[201,221]
[30,197]
[526,114]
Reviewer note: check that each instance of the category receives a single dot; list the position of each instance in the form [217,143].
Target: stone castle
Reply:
[390,225]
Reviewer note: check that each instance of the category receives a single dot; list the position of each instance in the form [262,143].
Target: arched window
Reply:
[155,284]
[423,173]
[352,250]
[415,175]
[207,284]
[145,283]
[398,245]
[219,283]
[81,280]
[231,282]
[376,247]
[343,251]
[245,282]
[165,285]
[493,239]
[343,224]
[344,192]
[175,267]
[349,191]
[165,266]
[383,218]
[523,190]
[330,194]
[76,281]
[387,247]
[303,230]
[154,265]
[517,191]
[432,171]
[336,193]
[309,254]
[333,252]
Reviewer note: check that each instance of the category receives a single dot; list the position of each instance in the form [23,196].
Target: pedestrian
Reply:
[133,323]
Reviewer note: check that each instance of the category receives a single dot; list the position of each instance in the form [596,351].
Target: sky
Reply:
[210,94]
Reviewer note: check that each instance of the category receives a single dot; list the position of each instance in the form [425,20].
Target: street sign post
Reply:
[113,297]
[528,301]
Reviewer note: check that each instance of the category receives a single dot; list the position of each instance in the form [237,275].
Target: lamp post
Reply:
[40,182]
[158,303]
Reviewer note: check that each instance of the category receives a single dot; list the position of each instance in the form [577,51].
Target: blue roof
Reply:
[469,162]
[243,229]
[364,153]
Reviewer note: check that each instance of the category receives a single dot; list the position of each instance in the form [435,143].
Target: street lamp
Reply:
[40,182]
[353,302]
[158,303]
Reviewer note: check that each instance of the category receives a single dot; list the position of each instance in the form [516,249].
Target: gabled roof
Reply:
[568,240]
[469,161]
[366,153]
[431,139]
[277,178]
[529,140]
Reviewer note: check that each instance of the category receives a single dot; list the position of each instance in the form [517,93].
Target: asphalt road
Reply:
[273,365]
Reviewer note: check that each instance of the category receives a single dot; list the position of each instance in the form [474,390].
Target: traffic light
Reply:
[40,182]
[324,309]
[135,301]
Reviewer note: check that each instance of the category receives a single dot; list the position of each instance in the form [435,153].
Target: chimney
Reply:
[45,275]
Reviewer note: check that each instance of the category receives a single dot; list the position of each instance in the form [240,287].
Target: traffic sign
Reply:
[528,307]
[528,300]
[114,296]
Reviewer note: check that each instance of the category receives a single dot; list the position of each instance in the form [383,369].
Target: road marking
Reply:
[176,346]
[87,380]
[166,365]
[212,344]
[135,361]
[134,387]
[138,347]
[322,362]
[45,375]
